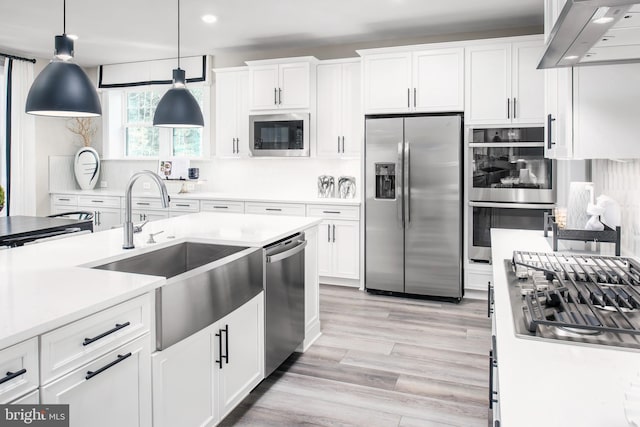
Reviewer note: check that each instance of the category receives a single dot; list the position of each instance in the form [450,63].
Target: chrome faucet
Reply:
[128,224]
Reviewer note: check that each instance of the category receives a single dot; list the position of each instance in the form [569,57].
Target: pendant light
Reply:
[178,108]
[63,89]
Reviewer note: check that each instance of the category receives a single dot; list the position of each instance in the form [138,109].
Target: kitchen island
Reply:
[63,322]
[553,383]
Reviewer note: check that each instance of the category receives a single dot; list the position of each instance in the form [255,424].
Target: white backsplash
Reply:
[268,177]
[620,180]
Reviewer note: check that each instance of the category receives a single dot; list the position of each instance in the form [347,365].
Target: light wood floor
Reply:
[381,361]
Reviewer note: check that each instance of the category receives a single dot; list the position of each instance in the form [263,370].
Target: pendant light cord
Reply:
[64,16]
[178,33]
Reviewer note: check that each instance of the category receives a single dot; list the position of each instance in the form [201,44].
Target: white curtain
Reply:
[23,145]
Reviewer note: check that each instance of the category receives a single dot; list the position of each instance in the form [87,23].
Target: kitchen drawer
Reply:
[222,206]
[334,211]
[99,201]
[64,200]
[185,205]
[13,360]
[146,203]
[77,343]
[275,208]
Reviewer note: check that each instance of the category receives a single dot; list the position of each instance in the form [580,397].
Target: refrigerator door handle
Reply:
[407,183]
[399,198]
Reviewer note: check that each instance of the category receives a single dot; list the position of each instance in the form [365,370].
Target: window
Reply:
[142,139]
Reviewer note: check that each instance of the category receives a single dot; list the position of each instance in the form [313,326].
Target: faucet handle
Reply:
[138,228]
[151,235]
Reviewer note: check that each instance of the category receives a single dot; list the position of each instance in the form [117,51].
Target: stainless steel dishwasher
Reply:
[284,299]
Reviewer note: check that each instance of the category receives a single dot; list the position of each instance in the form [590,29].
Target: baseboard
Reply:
[475,294]
[338,281]
[311,335]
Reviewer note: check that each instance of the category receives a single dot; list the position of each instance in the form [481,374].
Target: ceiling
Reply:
[118,31]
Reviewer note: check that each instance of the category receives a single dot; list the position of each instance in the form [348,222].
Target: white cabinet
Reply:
[199,380]
[339,115]
[32,398]
[281,84]
[243,366]
[113,390]
[147,209]
[429,80]
[558,104]
[266,208]
[178,207]
[503,85]
[106,210]
[18,370]
[232,112]
[224,206]
[338,240]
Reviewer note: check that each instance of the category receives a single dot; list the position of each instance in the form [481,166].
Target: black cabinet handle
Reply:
[334,233]
[182,205]
[221,207]
[550,120]
[329,233]
[279,96]
[64,200]
[408,98]
[514,107]
[118,326]
[97,201]
[490,380]
[489,299]
[91,374]
[332,212]
[273,209]
[226,343]
[142,203]
[219,361]
[275,96]
[508,108]
[12,375]
[415,95]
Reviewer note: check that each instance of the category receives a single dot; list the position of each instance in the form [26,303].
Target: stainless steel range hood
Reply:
[594,32]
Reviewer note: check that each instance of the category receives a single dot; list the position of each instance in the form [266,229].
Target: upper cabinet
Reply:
[415,81]
[339,112]
[503,85]
[232,112]
[281,84]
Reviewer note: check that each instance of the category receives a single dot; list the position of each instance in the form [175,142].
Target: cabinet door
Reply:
[105,219]
[294,83]
[559,113]
[243,348]
[352,117]
[226,114]
[606,124]
[346,249]
[263,87]
[488,84]
[329,114]
[32,398]
[183,382]
[117,392]
[387,83]
[527,83]
[438,80]
[242,113]
[325,249]
[143,215]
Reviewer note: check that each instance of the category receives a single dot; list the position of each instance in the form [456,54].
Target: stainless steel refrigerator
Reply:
[413,214]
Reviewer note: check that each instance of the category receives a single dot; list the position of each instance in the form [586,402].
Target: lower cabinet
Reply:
[199,380]
[148,215]
[32,398]
[339,249]
[112,390]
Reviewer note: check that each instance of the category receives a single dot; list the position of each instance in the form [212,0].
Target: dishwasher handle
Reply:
[301,244]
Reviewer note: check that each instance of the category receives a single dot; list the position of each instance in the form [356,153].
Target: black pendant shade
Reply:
[178,108]
[63,89]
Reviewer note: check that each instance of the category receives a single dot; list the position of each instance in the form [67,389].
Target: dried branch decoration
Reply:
[84,127]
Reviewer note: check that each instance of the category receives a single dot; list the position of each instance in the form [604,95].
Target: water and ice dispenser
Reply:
[385,180]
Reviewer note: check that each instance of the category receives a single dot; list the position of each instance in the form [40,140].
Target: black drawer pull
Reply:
[226,343]
[91,374]
[221,207]
[97,201]
[273,209]
[12,375]
[332,212]
[64,200]
[143,203]
[183,205]
[119,326]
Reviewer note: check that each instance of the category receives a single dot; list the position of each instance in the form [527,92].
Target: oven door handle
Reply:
[512,205]
[506,144]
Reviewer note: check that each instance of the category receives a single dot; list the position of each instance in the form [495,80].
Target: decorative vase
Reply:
[86,167]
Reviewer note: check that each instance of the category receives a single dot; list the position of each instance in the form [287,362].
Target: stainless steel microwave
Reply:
[279,135]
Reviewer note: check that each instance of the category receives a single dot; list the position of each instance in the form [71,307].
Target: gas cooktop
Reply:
[580,298]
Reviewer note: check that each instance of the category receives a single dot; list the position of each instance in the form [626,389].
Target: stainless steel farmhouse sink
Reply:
[205,282]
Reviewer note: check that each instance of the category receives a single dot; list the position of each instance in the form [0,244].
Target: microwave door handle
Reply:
[399,198]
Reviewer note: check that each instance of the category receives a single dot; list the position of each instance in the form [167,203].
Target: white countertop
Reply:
[221,196]
[44,285]
[552,383]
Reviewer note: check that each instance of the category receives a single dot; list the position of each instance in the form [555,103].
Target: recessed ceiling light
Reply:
[571,57]
[72,36]
[209,19]
[600,17]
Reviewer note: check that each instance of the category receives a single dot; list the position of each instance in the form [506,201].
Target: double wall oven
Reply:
[510,183]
